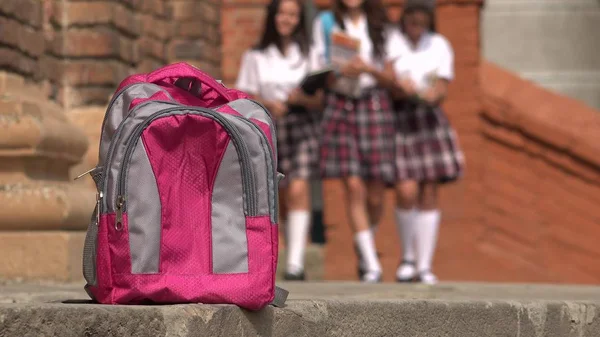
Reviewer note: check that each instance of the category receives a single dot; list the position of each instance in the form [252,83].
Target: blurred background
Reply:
[525,103]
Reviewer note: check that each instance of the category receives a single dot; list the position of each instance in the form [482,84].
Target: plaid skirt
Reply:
[357,137]
[426,145]
[298,145]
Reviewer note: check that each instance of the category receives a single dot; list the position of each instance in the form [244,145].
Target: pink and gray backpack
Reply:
[186,207]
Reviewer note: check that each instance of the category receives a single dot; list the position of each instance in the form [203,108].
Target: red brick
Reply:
[185,49]
[151,47]
[194,11]
[513,254]
[29,11]
[14,60]
[157,28]
[84,73]
[503,135]
[69,13]
[191,29]
[77,97]
[22,37]
[126,20]
[129,50]
[86,42]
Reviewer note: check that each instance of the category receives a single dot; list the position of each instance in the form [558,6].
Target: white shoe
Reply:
[427,277]
[371,277]
[406,272]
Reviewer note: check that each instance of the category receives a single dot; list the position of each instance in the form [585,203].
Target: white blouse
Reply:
[358,31]
[432,56]
[272,75]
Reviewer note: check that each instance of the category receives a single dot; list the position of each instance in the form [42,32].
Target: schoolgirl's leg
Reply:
[427,223]
[298,225]
[407,195]
[356,192]
[375,190]
[298,159]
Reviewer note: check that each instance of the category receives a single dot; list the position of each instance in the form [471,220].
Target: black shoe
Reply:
[294,277]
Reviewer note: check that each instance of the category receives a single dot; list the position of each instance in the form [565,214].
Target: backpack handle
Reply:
[188,78]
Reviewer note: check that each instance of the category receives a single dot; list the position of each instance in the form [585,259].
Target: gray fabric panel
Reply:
[260,162]
[129,124]
[250,109]
[118,110]
[229,243]
[143,214]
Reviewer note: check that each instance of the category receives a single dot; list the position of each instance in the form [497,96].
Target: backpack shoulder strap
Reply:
[328,21]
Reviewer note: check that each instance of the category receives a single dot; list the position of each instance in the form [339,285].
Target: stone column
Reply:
[41,210]
[42,213]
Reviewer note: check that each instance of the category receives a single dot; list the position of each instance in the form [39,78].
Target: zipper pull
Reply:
[99,197]
[119,220]
[84,173]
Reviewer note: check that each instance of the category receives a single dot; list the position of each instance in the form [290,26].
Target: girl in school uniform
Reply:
[427,152]
[358,126]
[272,72]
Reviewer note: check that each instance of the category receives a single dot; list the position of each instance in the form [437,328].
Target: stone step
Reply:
[318,309]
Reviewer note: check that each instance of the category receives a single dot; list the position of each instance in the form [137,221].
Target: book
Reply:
[343,49]
[314,81]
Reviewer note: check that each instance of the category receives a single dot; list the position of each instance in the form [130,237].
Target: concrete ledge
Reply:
[318,309]
[308,318]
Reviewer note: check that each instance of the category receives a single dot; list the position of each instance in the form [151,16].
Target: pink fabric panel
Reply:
[226,109]
[182,150]
[237,94]
[136,78]
[159,96]
[118,243]
[103,291]
[252,290]
[275,245]
[184,97]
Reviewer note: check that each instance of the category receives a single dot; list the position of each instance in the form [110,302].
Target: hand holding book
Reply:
[354,67]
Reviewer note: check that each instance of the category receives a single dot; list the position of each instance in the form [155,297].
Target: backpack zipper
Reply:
[272,171]
[115,139]
[248,174]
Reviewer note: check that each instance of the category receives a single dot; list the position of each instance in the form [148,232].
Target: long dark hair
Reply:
[416,7]
[271,35]
[376,21]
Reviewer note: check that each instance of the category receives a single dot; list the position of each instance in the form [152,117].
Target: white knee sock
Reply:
[373,229]
[405,223]
[297,232]
[427,224]
[366,245]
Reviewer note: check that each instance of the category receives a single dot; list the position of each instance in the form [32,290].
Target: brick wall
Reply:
[197,34]
[83,49]
[22,43]
[541,183]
